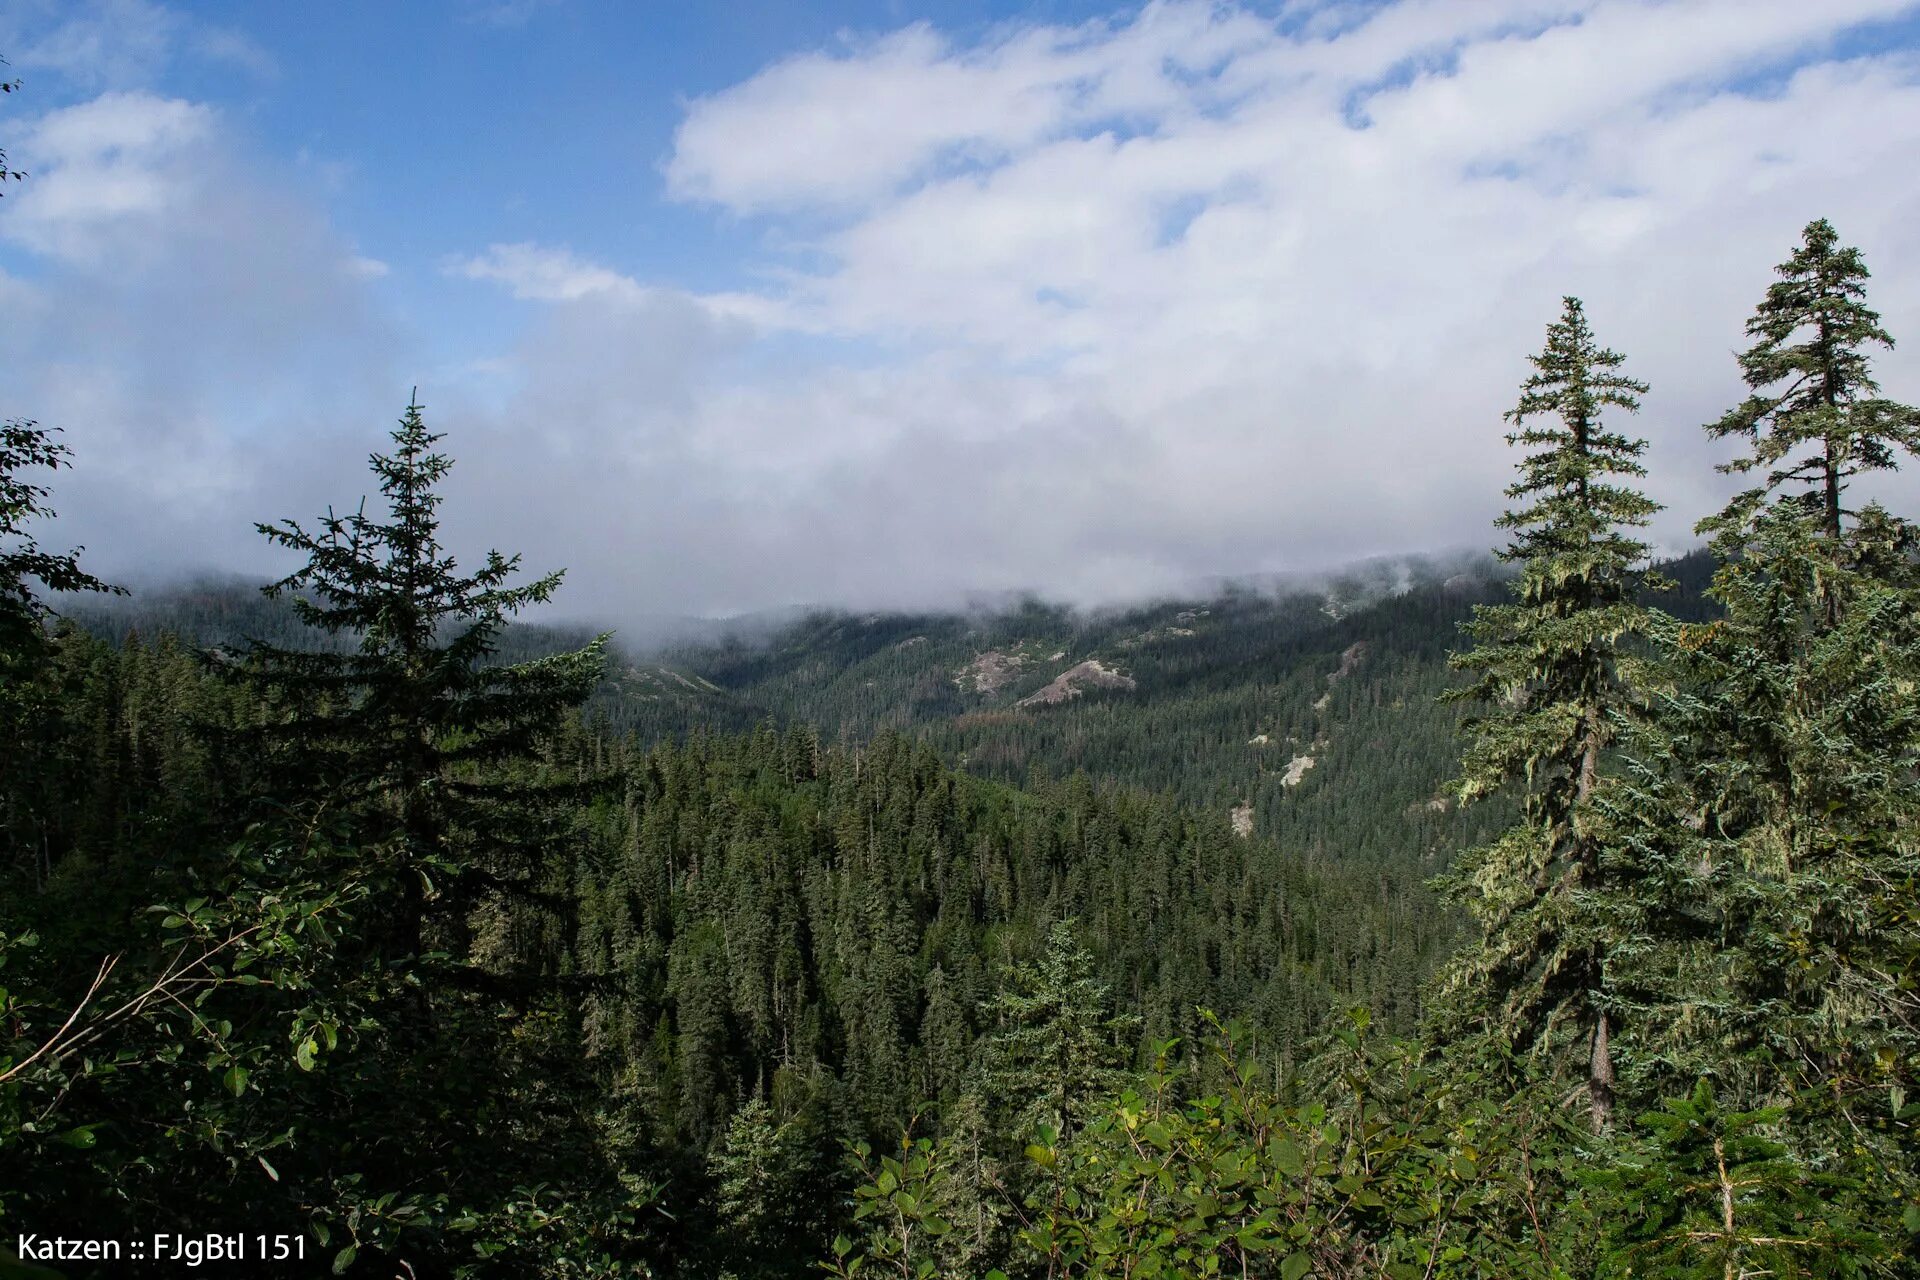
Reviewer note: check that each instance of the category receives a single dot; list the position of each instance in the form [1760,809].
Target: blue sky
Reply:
[738,305]
[428,127]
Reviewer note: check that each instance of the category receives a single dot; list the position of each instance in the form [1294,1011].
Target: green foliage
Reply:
[1777,794]
[1815,418]
[903,1208]
[1054,1046]
[690,969]
[1230,689]
[430,752]
[25,445]
[1395,1168]
[1812,673]
[415,730]
[1545,895]
[1708,1194]
[30,709]
[252,993]
[162,1062]
[769,1176]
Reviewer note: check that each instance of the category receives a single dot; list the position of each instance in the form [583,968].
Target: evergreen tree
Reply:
[766,1195]
[416,730]
[1056,1046]
[1815,419]
[465,1075]
[944,1035]
[1801,708]
[1550,664]
[1708,1194]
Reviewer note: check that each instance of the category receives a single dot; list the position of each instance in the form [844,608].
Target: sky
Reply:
[734,307]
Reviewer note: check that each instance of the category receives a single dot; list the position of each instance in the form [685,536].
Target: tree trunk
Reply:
[1832,492]
[1600,1076]
[1600,1059]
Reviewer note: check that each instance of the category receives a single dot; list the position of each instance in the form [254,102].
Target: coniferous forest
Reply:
[1555,919]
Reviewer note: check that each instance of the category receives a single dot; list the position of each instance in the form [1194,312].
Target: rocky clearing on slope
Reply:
[1074,681]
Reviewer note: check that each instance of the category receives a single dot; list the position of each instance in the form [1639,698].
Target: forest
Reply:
[373,929]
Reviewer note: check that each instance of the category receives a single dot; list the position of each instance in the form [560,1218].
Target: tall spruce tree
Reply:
[467,1086]
[414,730]
[1815,418]
[1807,691]
[1056,1045]
[1550,665]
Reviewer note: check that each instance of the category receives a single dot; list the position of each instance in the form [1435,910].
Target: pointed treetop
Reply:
[1574,376]
[1567,500]
[389,580]
[1815,418]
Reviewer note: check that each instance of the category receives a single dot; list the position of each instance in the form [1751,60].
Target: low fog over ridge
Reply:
[640,633]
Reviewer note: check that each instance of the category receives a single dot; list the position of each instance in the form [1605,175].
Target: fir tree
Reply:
[415,729]
[1709,1194]
[1815,419]
[1550,664]
[764,1174]
[1802,703]
[1056,1045]
[466,1073]
[944,1035]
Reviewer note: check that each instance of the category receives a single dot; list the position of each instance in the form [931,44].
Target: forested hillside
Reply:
[1312,712]
[1313,708]
[751,916]
[1023,944]
[1298,709]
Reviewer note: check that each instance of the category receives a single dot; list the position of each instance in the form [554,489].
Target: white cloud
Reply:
[221,44]
[101,44]
[1096,309]
[104,170]
[191,321]
[108,42]
[545,274]
[1195,291]
[548,273]
[824,130]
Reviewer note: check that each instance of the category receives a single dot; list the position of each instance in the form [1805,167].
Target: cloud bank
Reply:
[1096,310]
